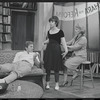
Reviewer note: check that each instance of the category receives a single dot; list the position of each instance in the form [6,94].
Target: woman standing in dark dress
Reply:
[53,54]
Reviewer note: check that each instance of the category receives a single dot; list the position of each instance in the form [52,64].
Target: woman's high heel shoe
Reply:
[64,84]
[73,80]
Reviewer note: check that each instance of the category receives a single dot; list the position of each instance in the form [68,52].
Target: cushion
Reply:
[36,71]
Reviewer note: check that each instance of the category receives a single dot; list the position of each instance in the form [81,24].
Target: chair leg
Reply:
[91,75]
[81,82]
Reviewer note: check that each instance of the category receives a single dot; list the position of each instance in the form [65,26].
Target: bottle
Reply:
[19,88]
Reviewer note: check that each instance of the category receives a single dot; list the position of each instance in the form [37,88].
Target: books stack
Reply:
[7,20]
[6,37]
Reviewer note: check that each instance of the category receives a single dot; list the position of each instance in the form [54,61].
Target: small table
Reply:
[28,90]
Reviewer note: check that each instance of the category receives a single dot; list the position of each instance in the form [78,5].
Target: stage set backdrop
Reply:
[85,14]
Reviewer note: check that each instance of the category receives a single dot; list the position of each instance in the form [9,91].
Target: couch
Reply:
[36,76]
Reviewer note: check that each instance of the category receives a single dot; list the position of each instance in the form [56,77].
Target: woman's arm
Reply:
[78,45]
[75,47]
[46,42]
[69,42]
[63,42]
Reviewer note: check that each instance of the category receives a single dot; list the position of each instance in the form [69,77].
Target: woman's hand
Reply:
[69,48]
[44,46]
[64,54]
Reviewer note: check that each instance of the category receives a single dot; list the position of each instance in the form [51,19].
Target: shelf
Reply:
[6,41]
[6,24]
[6,9]
[6,32]
[19,10]
[5,15]
[22,8]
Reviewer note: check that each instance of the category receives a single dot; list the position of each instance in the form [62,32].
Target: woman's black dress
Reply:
[52,54]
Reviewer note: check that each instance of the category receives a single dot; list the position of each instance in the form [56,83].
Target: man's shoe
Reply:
[3,87]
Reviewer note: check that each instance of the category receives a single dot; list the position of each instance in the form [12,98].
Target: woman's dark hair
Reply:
[54,19]
[28,43]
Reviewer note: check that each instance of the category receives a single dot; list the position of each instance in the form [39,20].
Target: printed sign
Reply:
[76,12]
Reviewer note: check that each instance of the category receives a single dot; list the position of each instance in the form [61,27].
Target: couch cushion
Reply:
[36,71]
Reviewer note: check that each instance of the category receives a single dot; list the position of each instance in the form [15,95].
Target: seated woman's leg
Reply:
[74,74]
[65,74]
[72,63]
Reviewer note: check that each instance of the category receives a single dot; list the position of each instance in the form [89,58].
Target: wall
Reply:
[44,12]
[89,22]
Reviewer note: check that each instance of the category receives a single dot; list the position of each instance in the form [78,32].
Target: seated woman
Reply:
[22,64]
[78,46]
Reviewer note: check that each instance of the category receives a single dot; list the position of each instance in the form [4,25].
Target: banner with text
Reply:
[75,12]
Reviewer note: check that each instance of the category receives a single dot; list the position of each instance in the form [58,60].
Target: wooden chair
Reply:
[92,64]
[83,74]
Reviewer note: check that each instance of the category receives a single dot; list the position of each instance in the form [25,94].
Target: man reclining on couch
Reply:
[22,64]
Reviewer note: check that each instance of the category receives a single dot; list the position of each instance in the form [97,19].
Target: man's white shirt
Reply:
[25,56]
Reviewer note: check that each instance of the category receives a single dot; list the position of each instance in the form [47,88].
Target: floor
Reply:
[66,92]
[74,91]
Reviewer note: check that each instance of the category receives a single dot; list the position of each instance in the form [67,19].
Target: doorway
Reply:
[22,29]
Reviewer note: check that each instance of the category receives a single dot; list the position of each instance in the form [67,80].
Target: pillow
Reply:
[36,71]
